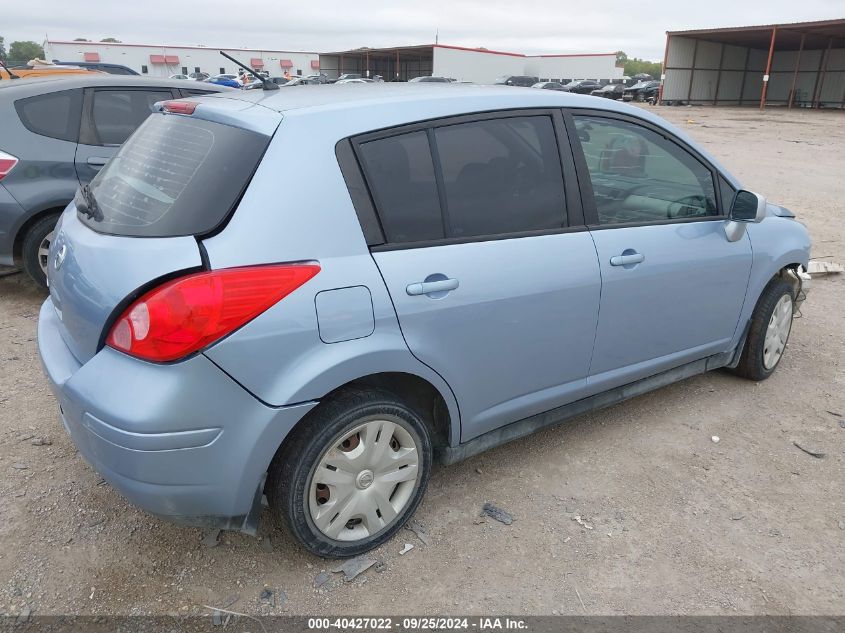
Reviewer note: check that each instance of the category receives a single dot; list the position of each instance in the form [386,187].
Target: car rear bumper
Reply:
[182,441]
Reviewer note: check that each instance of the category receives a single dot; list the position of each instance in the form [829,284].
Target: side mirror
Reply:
[748,207]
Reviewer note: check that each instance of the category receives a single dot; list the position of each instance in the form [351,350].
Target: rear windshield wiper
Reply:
[88,207]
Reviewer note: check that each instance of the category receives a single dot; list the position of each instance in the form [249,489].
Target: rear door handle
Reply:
[627,259]
[429,287]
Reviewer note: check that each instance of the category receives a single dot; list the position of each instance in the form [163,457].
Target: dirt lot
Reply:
[677,523]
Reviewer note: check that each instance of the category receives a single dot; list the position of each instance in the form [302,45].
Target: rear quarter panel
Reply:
[279,356]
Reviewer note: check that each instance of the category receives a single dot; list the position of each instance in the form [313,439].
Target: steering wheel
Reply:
[687,207]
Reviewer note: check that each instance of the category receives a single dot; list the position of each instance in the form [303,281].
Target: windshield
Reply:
[176,175]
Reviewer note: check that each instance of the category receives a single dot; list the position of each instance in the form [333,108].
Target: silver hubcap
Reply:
[44,251]
[777,332]
[363,482]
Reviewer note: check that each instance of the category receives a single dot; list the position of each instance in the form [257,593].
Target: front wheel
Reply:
[771,324]
[352,474]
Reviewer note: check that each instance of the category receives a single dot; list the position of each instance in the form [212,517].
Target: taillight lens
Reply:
[7,163]
[187,314]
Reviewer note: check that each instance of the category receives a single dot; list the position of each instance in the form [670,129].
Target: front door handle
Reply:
[96,162]
[627,259]
[430,287]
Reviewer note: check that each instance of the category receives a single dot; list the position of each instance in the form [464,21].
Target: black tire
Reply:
[751,364]
[35,235]
[288,481]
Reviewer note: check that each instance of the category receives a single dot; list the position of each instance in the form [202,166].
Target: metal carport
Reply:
[393,64]
[800,64]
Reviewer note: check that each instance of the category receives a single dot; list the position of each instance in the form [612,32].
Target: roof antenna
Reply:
[11,74]
[266,83]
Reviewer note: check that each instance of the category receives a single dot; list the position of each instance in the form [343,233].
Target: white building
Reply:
[478,65]
[163,61]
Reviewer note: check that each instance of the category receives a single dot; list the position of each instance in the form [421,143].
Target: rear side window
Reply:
[176,175]
[468,180]
[501,176]
[55,114]
[117,113]
[401,175]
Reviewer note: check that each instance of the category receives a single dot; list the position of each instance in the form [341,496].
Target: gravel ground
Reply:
[670,521]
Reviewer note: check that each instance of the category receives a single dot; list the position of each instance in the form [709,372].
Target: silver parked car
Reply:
[455,270]
[55,135]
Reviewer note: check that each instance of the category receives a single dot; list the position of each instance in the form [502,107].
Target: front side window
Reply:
[639,176]
[118,113]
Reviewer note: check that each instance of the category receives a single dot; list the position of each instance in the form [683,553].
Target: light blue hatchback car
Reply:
[452,267]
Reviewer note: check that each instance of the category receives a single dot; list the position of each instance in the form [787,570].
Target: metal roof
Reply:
[178,46]
[429,49]
[816,34]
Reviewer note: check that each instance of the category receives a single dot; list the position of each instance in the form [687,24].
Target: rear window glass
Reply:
[175,176]
[55,114]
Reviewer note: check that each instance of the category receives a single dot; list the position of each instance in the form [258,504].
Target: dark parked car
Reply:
[582,86]
[639,90]
[548,85]
[610,91]
[55,135]
[517,80]
[112,69]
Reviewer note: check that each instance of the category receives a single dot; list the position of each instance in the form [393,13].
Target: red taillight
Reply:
[7,163]
[180,107]
[187,314]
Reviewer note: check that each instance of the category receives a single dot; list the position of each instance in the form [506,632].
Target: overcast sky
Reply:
[527,26]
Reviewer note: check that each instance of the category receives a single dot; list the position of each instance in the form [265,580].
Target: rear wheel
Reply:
[771,325]
[352,474]
[36,248]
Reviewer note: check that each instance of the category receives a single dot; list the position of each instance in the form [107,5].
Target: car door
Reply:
[109,116]
[492,274]
[673,285]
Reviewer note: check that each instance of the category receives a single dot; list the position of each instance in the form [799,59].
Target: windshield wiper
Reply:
[90,208]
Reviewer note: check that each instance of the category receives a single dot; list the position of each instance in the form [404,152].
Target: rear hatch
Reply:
[178,178]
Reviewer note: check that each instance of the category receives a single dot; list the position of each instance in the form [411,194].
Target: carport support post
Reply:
[795,74]
[817,93]
[719,75]
[663,71]
[768,69]
[692,70]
